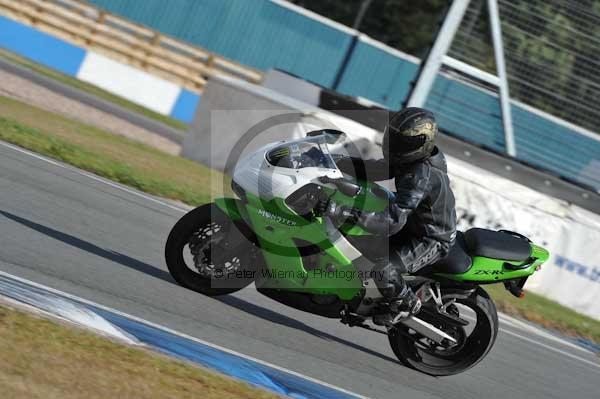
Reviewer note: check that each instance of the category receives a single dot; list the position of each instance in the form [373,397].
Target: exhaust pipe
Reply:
[427,330]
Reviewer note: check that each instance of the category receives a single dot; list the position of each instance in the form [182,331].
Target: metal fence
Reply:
[552,52]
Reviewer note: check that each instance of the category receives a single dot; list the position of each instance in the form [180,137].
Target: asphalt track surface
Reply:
[71,231]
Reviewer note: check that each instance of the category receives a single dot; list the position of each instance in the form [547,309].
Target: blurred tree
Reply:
[537,64]
[552,57]
[406,25]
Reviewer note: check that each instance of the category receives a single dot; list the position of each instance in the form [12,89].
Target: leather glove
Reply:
[340,213]
[345,164]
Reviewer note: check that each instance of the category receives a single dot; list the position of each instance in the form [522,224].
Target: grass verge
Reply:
[545,312]
[108,155]
[44,359]
[155,172]
[94,90]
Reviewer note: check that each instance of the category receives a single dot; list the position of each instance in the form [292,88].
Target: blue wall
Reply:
[40,47]
[55,53]
[378,75]
[185,107]
[258,33]
[474,115]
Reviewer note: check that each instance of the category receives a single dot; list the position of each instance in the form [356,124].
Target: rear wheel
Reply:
[473,341]
[206,252]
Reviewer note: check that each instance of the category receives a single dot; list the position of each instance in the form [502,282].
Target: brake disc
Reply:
[202,244]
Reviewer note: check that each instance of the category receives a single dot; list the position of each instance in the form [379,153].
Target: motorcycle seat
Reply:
[497,245]
[456,262]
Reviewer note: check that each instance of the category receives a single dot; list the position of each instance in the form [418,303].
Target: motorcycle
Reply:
[275,235]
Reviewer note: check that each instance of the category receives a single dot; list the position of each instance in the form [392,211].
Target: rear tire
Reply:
[475,347]
[193,226]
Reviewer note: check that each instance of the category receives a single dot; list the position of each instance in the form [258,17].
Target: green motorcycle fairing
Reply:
[489,270]
[281,233]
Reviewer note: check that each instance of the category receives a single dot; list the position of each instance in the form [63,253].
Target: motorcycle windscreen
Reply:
[306,154]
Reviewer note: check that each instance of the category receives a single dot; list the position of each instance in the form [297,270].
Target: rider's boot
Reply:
[402,301]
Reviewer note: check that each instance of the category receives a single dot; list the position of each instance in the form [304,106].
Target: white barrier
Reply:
[572,235]
[128,82]
[231,107]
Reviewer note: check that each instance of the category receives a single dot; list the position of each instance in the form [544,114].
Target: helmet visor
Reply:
[405,144]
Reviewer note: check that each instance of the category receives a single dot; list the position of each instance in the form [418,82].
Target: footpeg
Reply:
[400,316]
[351,319]
[410,305]
[385,320]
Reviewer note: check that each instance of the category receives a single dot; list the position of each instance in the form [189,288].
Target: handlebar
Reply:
[344,186]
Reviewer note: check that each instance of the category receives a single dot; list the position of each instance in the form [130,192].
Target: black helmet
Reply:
[409,136]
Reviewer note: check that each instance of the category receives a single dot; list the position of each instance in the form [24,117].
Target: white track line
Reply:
[179,334]
[152,199]
[521,325]
[551,348]
[93,177]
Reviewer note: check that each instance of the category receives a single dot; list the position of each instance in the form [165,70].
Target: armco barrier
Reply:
[258,33]
[137,86]
[82,24]
[313,47]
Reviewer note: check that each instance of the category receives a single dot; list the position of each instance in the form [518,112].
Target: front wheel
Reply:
[473,341]
[206,252]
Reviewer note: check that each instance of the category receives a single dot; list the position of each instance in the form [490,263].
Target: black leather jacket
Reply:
[424,205]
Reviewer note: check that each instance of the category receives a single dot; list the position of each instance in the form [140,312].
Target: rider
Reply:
[421,221]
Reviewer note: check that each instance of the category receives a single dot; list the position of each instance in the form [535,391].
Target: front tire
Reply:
[203,234]
[472,350]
